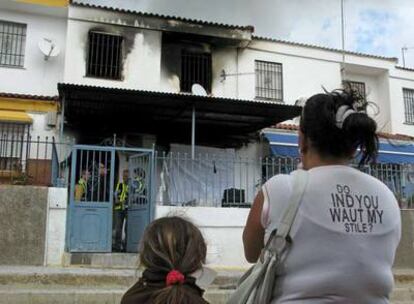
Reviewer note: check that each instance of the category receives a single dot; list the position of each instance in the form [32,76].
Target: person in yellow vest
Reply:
[81,188]
[119,212]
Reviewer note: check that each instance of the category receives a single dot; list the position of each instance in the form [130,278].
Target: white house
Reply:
[25,72]
[32,40]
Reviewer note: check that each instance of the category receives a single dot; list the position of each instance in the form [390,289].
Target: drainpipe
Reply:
[343,40]
[62,119]
[237,72]
[193,134]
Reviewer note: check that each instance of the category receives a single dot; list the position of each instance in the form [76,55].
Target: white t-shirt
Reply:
[345,235]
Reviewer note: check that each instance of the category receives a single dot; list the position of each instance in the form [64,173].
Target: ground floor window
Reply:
[13,140]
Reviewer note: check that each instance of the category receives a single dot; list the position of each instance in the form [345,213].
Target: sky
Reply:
[379,27]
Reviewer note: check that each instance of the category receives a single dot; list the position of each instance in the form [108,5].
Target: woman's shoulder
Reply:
[280,180]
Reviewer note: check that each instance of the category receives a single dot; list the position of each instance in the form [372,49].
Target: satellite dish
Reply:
[49,48]
[301,101]
[198,90]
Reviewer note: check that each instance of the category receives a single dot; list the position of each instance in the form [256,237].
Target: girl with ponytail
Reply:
[172,251]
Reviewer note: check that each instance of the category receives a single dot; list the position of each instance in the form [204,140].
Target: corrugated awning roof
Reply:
[168,114]
[145,14]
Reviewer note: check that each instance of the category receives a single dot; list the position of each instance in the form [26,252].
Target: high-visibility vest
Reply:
[122,195]
[83,185]
[80,190]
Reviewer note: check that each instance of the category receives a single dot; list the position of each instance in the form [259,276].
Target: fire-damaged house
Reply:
[159,96]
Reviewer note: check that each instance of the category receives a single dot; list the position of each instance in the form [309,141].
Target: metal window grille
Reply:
[14,130]
[12,43]
[195,68]
[269,80]
[105,55]
[408,95]
[12,136]
[358,87]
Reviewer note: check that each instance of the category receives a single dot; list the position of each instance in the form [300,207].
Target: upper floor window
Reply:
[408,95]
[12,43]
[104,56]
[269,80]
[195,68]
[358,87]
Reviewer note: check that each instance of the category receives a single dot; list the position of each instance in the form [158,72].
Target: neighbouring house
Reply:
[29,104]
[200,113]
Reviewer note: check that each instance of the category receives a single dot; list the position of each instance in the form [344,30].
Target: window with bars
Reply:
[13,141]
[408,95]
[358,87]
[12,43]
[195,68]
[269,80]
[104,56]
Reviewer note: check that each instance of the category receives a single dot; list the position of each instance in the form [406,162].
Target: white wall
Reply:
[301,76]
[40,128]
[37,77]
[141,62]
[225,59]
[222,229]
[56,225]
[400,79]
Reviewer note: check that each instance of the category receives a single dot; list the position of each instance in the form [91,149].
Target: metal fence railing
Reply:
[208,180]
[33,161]
[399,178]
[179,180]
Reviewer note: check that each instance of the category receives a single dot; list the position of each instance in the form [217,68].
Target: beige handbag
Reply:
[256,285]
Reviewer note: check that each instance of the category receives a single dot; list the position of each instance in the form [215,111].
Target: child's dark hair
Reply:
[319,124]
[173,243]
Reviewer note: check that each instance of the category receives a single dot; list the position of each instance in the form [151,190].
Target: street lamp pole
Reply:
[343,40]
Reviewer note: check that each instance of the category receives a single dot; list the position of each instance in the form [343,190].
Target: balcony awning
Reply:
[396,152]
[15,117]
[168,115]
[283,144]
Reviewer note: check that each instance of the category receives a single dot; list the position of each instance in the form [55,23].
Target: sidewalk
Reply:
[76,285]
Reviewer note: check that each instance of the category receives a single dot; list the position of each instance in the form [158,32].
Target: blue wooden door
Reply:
[139,198]
[90,199]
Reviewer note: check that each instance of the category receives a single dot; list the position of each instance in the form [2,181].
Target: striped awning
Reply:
[15,116]
[397,152]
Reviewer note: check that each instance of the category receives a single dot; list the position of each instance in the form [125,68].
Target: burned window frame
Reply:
[190,75]
[275,91]
[408,96]
[14,34]
[102,65]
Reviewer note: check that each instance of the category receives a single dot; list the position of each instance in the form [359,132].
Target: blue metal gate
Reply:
[139,199]
[91,197]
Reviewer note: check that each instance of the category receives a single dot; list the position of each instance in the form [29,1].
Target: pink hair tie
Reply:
[174,277]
